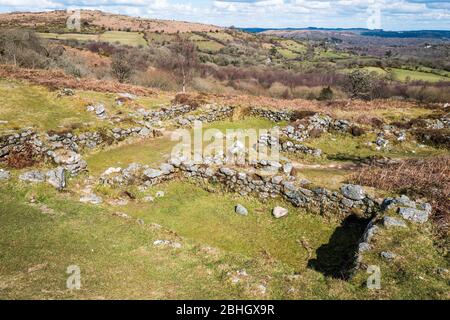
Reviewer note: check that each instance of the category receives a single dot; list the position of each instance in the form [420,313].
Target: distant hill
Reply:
[95,21]
[311,31]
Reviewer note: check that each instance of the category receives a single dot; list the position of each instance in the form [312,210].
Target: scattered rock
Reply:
[160,194]
[363,247]
[57,178]
[148,199]
[4,175]
[239,209]
[167,243]
[442,271]
[37,267]
[405,201]
[91,198]
[111,170]
[353,192]
[121,215]
[32,176]
[388,255]
[391,222]
[279,212]
[414,215]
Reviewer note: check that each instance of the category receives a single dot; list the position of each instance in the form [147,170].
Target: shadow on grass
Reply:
[337,258]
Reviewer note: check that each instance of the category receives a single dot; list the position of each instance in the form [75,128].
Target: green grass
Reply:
[208,46]
[286,53]
[116,257]
[221,36]
[125,38]
[28,105]
[244,124]
[338,147]
[70,36]
[209,218]
[412,274]
[152,151]
[40,108]
[122,37]
[329,178]
[119,261]
[293,46]
[404,75]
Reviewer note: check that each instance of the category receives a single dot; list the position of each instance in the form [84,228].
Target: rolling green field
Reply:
[122,37]
[404,75]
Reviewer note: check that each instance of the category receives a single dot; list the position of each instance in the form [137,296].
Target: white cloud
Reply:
[396,14]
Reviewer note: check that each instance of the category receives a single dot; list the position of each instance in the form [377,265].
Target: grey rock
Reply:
[353,192]
[347,202]
[100,110]
[279,212]
[160,194]
[32,176]
[240,209]
[287,168]
[277,179]
[414,215]
[388,255]
[4,175]
[148,199]
[363,247]
[227,171]
[144,132]
[370,232]
[391,222]
[152,173]
[166,168]
[57,178]
[426,207]
[91,198]
[404,201]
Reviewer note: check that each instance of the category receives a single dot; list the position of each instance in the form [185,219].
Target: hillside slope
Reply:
[95,20]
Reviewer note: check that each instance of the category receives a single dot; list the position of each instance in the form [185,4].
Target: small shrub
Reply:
[429,178]
[326,94]
[435,137]
[357,131]
[301,114]
[190,100]
[21,159]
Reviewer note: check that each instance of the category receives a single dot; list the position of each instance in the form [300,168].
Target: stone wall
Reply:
[350,199]
[272,115]
[211,114]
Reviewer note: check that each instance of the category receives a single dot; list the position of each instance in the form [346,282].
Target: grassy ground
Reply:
[122,37]
[339,147]
[150,152]
[125,38]
[70,36]
[208,46]
[117,257]
[40,108]
[403,75]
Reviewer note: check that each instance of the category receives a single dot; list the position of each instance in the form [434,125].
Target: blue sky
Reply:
[394,14]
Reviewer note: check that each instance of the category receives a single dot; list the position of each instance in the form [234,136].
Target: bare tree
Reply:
[185,59]
[22,47]
[121,66]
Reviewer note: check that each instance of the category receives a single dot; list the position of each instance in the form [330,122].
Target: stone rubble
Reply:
[4,175]
[240,209]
